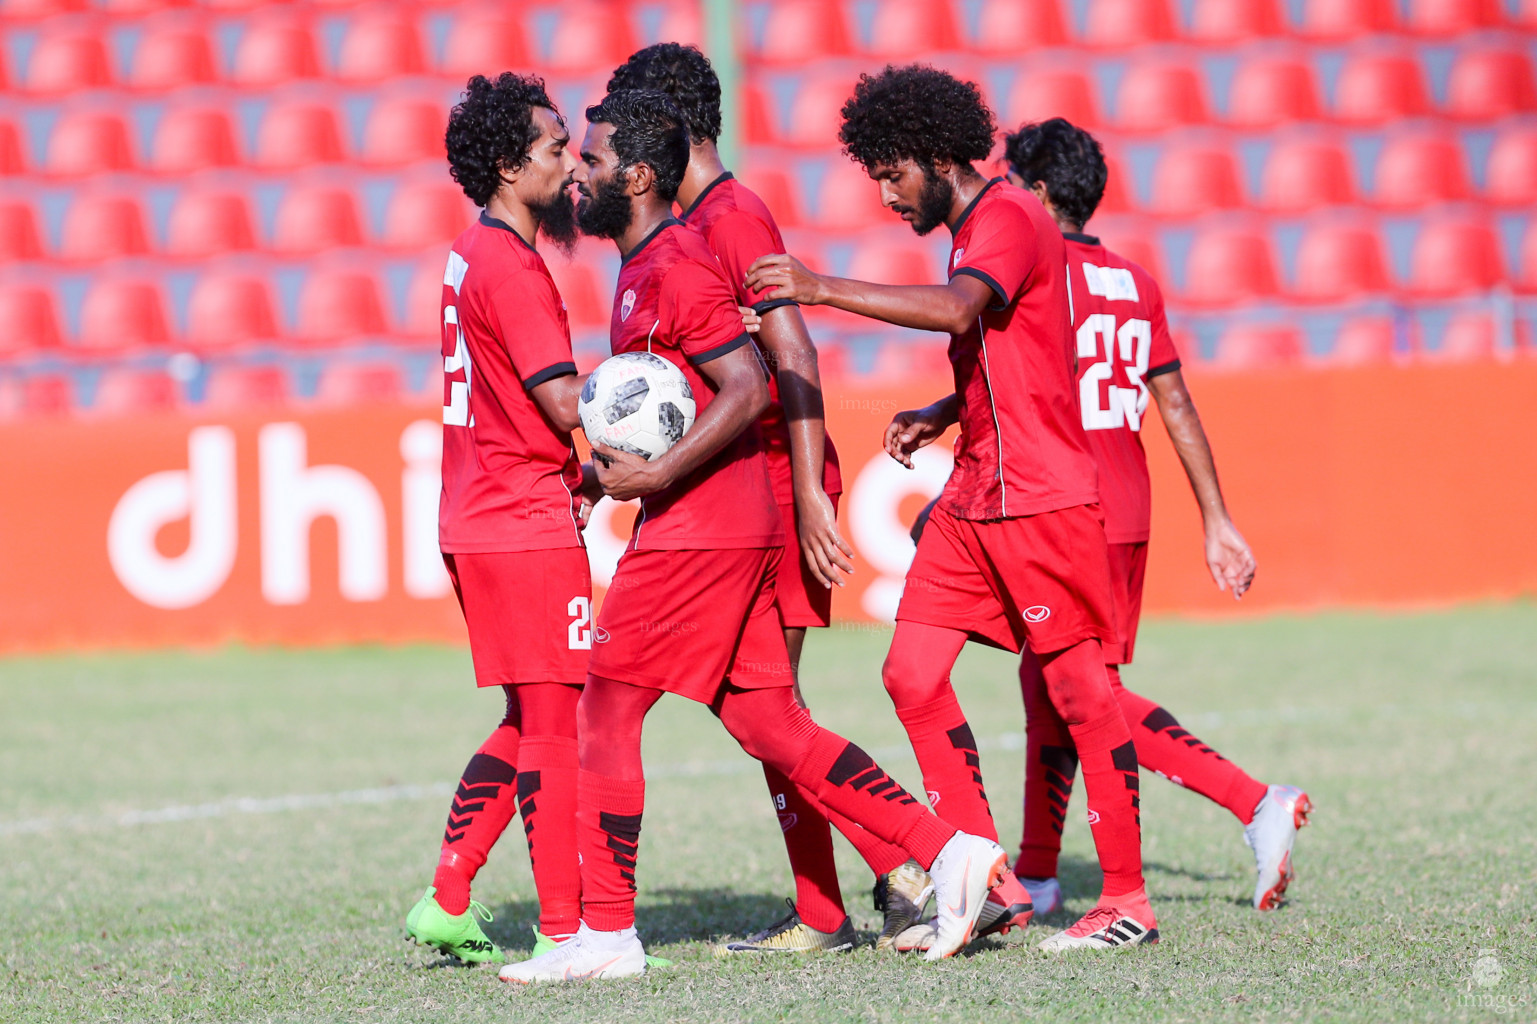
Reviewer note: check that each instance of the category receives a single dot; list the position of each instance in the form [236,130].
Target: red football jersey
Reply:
[1022,449]
[739,229]
[1123,342]
[510,479]
[673,300]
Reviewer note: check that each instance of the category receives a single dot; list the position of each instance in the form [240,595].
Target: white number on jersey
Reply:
[456,411]
[578,635]
[1109,406]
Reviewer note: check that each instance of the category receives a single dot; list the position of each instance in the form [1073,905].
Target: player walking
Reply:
[1014,551]
[1125,355]
[690,610]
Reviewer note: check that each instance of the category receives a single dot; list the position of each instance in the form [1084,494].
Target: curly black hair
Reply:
[648,129]
[682,72]
[1067,158]
[492,129]
[916,112]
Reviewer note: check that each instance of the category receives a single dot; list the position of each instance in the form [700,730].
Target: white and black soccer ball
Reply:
[638,403]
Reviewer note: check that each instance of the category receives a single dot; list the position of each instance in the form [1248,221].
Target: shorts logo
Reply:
[787,822]
[1037,613]
[600,634]
[627,304]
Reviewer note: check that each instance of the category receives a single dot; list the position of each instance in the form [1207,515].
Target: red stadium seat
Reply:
[1157,96]
[422,320]
[803,32]
[815,116]
[592,36]
[31,319]
[1044,93]
[344,384]
[1453,17]
[233,5]
[24,10]
[65,62]
[1380,88]
[1224,22]
[1339,260]
[588,298]
[1130,240]
[1269,91]
[192,139]
[1528,280]
[1113,24]
[1513,167]
[1468,337]
[403,130]
[124,391]
[137,8]
[378,46]
[680,21]
[230,309]
[1455,256]
[122,314]
[314,218]
[1417,169]
[887,261]
[1346,19]
[1259,347]
[1229,265]
[484,42]
[775,185]
[272,52]
[1524,15]
[89,142]
[46,394]
[1195,179]
[103,227]
[12,159]
[759,125]
[1117,197]
[339,304]
[233,388]
[1487,84]
[1010,27]
[1303,172]
[905,29]
[172,57]
[849,200]
[20,239]
[426,213]
[1364,341]
[208,223]
[298,134]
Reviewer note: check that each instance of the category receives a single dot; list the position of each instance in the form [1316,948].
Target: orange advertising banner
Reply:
[1378,487]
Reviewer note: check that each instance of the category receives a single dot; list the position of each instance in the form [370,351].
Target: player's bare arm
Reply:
[946,308]
[557,397]
[1227,553]
[917,428]
[741,397]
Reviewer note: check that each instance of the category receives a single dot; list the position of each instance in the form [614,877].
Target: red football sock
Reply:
[1050,764]
[1183,759]
[809,843]
[608,819]
[547,781]
[881,856]
[482,806]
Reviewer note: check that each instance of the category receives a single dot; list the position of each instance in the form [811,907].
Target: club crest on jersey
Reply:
[627,304]
[1037,613]
[956,261]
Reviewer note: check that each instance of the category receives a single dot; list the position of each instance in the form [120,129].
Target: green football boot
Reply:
[459,936]
[543,944]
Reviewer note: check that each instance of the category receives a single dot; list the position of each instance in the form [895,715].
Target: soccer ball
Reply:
[638,403]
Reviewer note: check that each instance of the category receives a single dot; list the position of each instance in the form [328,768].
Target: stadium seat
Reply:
[905,29]
[588,298]
[775,185]
[1131,240]
[1455,256]
[1224,22]
[89,142]
[274,51]
[192,139]
[379,45]
[120,314]
[1445,18]
[815,114]
[46,394]
[1380,88]
[484,42]
[233,388]
[314,218]
[1527,282]
[1339,260]
[27,10]
[1117,196]
[849,200]
[1488,84]
[1364,341]
[759,125]
[1419,168]
[403,130]
[1157,96]
[421,321]
[103,226]
[12,159]
[1303,172]
[1468,337]
[1010,27]
[1043,93]
[31,319]
[172,57]
[1346,19]
[426,213]
[346,384]
[1512,167]
[66,62]
[680,21]
[298,134]
[124,391]
[207,223]
[803,32]
[888,261]
[1115,24]
[20,239]
[230,309]
[338,304]
[593,36]
[1269,91]
[1194,179]
[1229,265]
[1259,347]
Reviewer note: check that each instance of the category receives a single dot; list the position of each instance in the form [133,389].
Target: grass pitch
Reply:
[236,836]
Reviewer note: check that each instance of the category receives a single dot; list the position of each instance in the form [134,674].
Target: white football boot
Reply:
[967,868]
[590,956]
[1045,893]
[1277,818]
[1128,921]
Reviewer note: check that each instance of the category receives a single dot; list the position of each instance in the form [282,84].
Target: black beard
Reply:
[607,213]
[934,202]
[557,221]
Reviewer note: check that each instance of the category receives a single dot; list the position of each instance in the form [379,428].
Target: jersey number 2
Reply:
[1108,406]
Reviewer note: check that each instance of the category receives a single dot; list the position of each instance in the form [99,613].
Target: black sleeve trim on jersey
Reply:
[549,373]
[1003,298]
[1159,371]
[767,304]
[721,350]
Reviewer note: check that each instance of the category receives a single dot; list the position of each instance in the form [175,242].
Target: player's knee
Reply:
[1077,683]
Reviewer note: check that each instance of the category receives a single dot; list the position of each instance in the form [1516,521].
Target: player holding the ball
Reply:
[691,606]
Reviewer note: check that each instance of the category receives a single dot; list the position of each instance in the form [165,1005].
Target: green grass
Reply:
[1415,735]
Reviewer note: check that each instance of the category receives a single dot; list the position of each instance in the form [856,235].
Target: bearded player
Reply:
[691,606]
[803,469]
[1014,552]
[1125,356]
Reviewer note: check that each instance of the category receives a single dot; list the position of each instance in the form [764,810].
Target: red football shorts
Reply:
[1128,570]
[1042,579]
[800,597]
[687,621]
[529,614]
